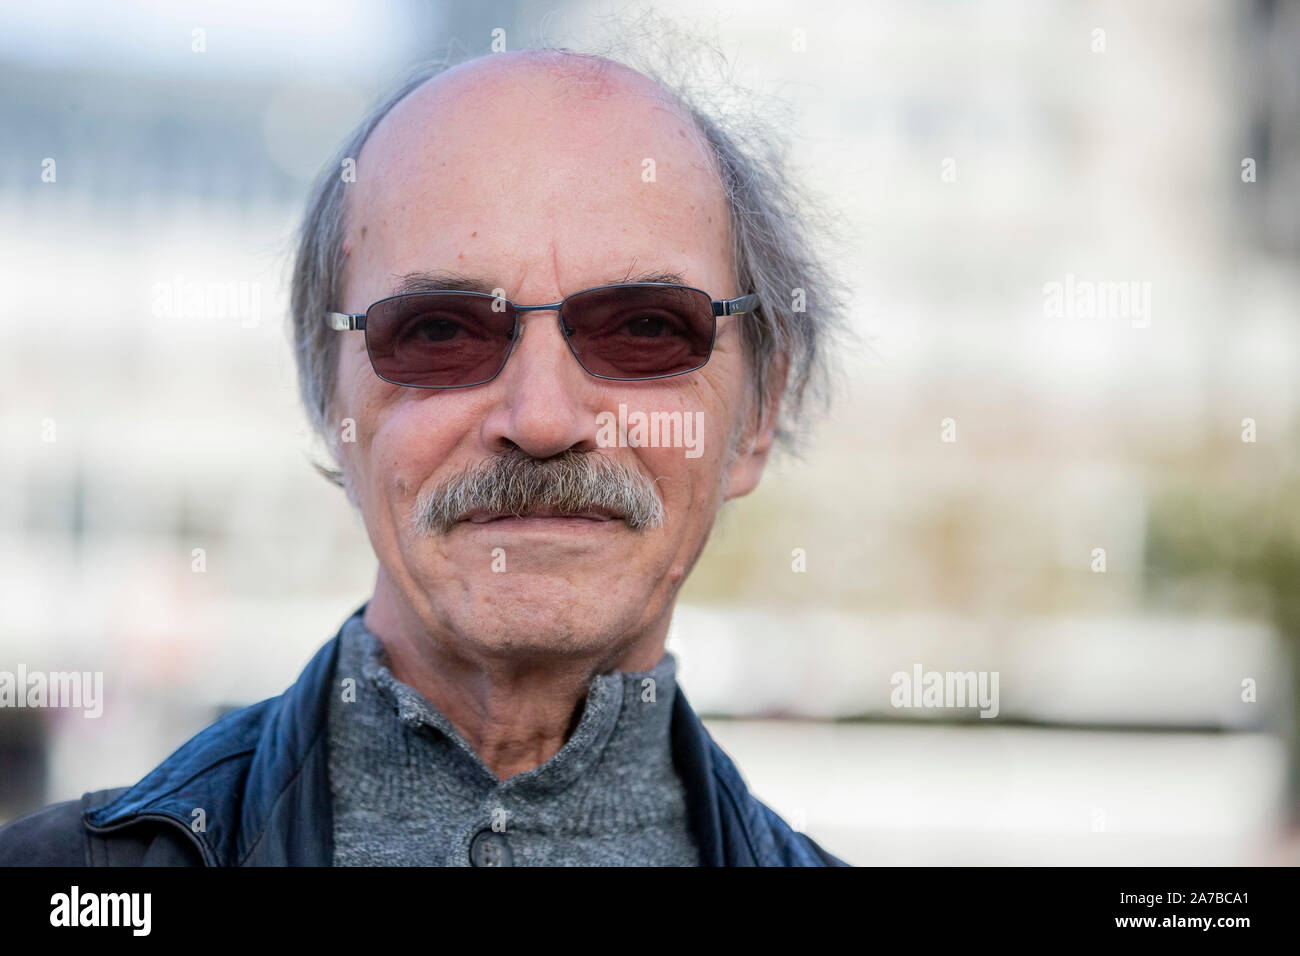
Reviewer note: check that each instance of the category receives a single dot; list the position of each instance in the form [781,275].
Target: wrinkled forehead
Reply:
[514,168]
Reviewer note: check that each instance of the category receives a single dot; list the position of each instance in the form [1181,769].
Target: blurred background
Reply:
[1099,503]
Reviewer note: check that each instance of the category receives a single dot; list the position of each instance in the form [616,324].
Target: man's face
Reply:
[500,171]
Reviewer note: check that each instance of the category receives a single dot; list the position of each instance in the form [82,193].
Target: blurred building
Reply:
[160,520]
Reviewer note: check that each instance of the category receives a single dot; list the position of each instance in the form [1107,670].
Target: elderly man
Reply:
[543,317]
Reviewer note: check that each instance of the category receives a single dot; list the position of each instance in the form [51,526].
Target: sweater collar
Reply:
[638,704]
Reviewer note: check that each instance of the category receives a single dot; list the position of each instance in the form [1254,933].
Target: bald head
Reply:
[544,172]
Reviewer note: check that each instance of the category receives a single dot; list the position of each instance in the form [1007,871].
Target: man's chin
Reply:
[581,608]
[540,638]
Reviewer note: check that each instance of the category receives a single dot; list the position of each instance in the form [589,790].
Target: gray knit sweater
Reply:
[409,791]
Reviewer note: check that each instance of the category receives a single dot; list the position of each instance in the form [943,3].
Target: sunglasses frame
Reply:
[356,322]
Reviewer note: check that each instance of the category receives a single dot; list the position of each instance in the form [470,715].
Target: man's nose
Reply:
[544,408]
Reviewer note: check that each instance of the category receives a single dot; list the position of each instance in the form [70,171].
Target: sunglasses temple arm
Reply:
[346,321]
[746,303]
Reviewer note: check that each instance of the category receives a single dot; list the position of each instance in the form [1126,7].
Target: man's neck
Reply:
[516,714]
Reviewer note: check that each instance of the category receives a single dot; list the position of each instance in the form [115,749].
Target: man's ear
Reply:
[755,442]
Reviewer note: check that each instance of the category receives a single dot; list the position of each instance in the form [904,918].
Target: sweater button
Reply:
[489,848]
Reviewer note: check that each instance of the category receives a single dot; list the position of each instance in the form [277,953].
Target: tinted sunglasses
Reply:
[627,332]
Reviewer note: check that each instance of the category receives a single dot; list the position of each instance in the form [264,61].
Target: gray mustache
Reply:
[515,482]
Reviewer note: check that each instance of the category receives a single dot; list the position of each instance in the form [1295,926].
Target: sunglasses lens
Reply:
[439,339]
[455,339]
[632,332]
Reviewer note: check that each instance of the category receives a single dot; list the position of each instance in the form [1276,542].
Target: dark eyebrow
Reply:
[455,282]
[671,278]
[440,282]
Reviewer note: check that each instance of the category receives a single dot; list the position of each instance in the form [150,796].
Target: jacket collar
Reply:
[693,758]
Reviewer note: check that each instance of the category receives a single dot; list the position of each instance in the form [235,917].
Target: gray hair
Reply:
[514,482]
[774,255]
